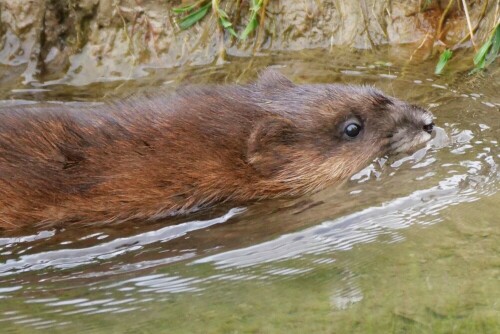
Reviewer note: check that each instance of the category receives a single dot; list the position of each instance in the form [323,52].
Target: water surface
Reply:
[410,244]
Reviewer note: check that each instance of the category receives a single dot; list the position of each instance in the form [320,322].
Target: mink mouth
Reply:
[408,139]
[404,143]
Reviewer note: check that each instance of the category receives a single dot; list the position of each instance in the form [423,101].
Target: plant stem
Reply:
[481,16]
[443,17]
[469,24]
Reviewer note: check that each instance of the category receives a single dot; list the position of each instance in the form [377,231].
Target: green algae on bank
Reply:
[88,41]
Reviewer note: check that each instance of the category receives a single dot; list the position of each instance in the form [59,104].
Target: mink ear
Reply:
[270,78]
[270,145]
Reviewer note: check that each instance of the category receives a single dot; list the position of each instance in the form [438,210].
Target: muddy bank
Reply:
[80,42]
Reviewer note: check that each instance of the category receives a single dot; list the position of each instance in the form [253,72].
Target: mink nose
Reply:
[428,128]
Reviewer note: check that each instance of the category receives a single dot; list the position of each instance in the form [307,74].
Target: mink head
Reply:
[315,135]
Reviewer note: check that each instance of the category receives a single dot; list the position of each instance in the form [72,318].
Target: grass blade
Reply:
[443,60]
[253,23]
[195,16]
[184,9]
[251,26]
[228,26]
[480,57]
[224,21]
[495,47]
[188,8]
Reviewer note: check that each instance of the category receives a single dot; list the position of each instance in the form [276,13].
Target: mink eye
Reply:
[352,130]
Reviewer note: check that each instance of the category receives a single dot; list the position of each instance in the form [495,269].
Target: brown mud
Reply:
[80,42]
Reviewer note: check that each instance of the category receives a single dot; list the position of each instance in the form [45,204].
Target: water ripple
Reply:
[70,258]
[360,227]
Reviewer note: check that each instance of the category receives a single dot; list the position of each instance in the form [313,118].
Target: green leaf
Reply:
[480,57]
[228,26]
[443,60]
[495,47]
[188,8]
[232,32]
[253,22]
[195,16]
[496,40]
[251,26]
[223,14]
[256,5]
[225,23]
[185,8]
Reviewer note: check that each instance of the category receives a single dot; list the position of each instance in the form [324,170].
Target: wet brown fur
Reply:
[152,156]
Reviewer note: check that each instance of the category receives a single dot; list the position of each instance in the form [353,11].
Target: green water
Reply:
[409,245]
